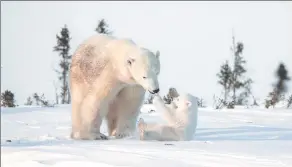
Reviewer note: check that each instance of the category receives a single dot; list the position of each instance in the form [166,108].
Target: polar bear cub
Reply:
[181,117]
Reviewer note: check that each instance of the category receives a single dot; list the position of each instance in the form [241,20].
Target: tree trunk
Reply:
[69,95]
[64,89]
[234,96]
[225,94]
[56,93]
[64,86]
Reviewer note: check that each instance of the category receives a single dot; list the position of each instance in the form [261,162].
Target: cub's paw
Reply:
[141,124]
[142,134]
[141,127]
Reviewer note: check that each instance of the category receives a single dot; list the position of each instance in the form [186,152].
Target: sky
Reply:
[193,38]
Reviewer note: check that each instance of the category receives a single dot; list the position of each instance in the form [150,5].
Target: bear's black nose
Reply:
[156,91]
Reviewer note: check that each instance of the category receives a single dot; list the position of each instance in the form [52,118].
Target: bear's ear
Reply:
[188,103]
[130,61]
[157,55]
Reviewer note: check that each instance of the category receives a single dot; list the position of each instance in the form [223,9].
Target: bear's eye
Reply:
[144,77]
[130,61]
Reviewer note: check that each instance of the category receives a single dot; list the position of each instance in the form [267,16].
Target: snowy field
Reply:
[39,137]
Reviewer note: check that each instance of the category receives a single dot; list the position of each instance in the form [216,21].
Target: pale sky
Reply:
[194,39]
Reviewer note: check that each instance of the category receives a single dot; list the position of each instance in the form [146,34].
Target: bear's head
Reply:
[185,101]
[144,69]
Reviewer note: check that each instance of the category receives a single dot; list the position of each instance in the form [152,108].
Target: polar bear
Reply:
[108,79]
[181,116]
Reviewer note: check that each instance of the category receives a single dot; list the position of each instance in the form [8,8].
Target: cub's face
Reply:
[184,101]
[145,69]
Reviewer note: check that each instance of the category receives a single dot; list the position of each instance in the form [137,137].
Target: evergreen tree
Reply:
[200,102]
[63,48]
[280,87]
[103,27]
[28,101]
[242,99]
[36,98]
[224,76]
[238,68]
[231,77]
[7,99]
[289,101]
[41,100]
[282,75]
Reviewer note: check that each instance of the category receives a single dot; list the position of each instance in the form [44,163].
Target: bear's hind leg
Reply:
[76,101]
[91,118]
[76,120]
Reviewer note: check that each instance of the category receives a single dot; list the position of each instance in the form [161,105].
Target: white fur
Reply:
[106,81]
[144,68]
[181,117]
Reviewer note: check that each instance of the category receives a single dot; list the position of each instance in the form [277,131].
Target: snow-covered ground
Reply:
[39,137]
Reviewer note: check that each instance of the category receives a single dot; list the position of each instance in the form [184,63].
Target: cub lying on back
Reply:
[181,116]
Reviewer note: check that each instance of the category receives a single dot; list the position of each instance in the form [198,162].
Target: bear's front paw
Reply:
[122,135]
[75,135]
[90,136]
[98,136]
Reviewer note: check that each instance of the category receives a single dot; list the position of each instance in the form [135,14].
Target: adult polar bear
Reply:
[108,79]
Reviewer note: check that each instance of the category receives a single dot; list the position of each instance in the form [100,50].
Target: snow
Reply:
[39,137]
